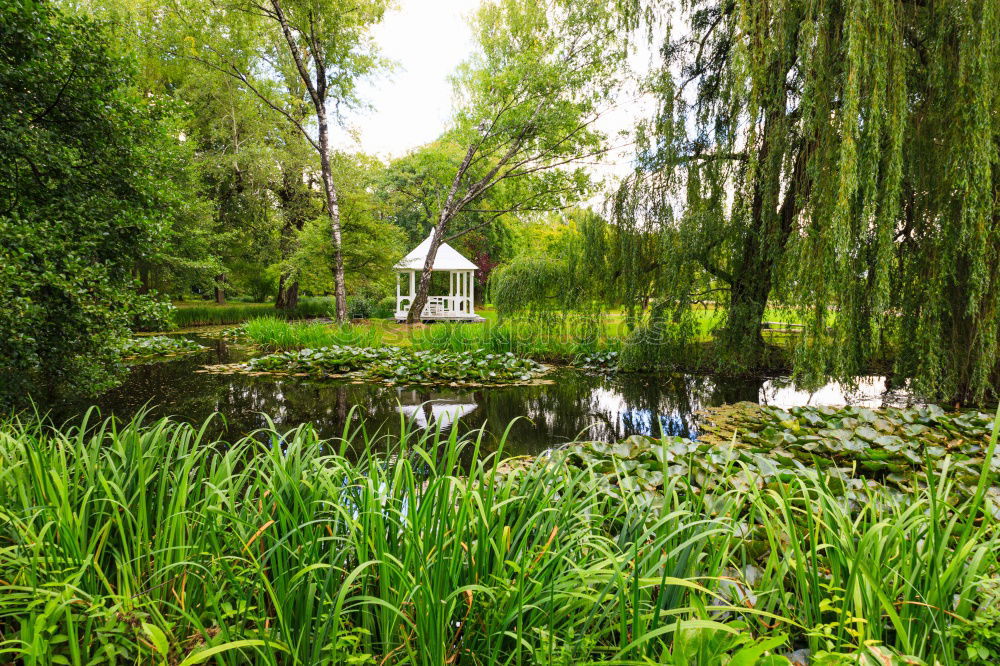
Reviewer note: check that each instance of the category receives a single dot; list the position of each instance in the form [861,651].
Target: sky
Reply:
[410,106]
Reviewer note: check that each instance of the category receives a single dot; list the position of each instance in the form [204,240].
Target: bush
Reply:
[360,306]
[90,165]
[385,308]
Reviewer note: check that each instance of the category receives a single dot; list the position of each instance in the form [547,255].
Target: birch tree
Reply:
[300,58]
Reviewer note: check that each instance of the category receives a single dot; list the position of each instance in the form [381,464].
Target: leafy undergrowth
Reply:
[125,543]
[158,345]
[396,365]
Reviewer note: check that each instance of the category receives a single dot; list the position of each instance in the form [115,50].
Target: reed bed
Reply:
[130,543]
[236,313]
[535,339]
[271,334]
[562,339]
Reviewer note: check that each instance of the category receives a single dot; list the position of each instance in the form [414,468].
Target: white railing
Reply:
[438,306]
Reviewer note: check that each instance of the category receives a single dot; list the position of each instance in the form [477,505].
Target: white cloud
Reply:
[427,39]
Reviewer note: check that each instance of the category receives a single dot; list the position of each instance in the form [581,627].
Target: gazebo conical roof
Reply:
[447,259]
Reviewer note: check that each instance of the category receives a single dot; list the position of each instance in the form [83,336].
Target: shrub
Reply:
[385,308]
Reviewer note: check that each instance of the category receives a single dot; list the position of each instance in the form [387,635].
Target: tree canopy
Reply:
[840,158]
[90,184]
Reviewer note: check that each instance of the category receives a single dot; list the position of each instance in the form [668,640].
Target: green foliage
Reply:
[413,188]
[837,157]
[235,313]
[401,365]
[272,334]
[279,547]
[372,244]
[86,191]
[855,450]
[663,342]
[875,552]
[544,339]
[981,636]
[899,447]
[562,268]
[533,284]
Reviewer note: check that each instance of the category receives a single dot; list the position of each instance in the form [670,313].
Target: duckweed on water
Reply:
[395,364]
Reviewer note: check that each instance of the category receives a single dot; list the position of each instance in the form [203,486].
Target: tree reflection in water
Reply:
[575,406]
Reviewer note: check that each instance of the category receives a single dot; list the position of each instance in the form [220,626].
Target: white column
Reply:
[413,284]
[472,292]
[397,291]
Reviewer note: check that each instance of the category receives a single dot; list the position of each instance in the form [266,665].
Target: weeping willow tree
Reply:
[840,158]
[563,275]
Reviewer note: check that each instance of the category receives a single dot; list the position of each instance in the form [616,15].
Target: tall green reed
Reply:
[559,339]
[236,313]
[135,543]
[271,334]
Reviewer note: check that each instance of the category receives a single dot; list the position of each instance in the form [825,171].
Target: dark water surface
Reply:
[576,406]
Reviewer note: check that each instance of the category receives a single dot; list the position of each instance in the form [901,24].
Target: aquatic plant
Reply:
[136,543]
[398,364]
[557,340]
[602,361]
[896,446]
[271,334]
[158,345]
[234,333]
[235,313]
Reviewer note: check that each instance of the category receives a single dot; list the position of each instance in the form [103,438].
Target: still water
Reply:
[577,405]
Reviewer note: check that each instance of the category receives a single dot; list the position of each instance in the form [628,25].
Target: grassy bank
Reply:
[151,545]
[207,314]
[539,340]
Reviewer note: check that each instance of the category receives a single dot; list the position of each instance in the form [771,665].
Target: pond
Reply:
[576,405]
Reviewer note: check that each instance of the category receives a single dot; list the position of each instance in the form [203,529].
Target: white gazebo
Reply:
[457,305]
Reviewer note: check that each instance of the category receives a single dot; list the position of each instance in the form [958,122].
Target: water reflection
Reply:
[574,406]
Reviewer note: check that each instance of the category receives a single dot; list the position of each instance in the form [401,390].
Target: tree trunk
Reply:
[279,300]
[144,286]
[288,295]
[451,207]
[220,291]
[333,211]
[424,284]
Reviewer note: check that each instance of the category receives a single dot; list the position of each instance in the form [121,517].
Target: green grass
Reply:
[271,334]
[207,314]
[543,340]
[150,544]
[539,340]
